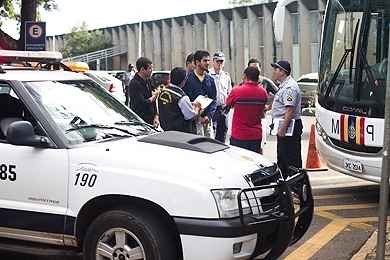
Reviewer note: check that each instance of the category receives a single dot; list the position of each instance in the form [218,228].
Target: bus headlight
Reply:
[227,203]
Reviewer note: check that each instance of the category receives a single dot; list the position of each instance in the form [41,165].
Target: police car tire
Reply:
[157,241]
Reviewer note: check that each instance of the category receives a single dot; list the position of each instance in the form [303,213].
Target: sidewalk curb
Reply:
[366,248]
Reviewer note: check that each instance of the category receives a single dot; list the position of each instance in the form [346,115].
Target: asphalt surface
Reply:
[345,213]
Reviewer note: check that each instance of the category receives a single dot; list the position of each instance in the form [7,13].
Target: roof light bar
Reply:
[30,56]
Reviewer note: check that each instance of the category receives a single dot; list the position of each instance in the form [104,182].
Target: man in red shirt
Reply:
[248,101]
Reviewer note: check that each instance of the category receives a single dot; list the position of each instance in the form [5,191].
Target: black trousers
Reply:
[289,149]
[127,101]
[251,145]
[220,125]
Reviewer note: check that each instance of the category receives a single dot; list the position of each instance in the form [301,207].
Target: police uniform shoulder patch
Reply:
[290,95]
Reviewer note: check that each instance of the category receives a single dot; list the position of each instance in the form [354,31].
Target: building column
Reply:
[268,41]
[116,60]
[238,44]
[156,45]
[166,45]
[305,39]
[224,29]
[148,40]
[49,43]
[213,35]
[287,45]
[60,43]
[188,34]
[199,41]
[254,29]
[177,44]
[123,43]
[132,43]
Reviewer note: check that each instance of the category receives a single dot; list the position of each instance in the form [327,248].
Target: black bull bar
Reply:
[279,208]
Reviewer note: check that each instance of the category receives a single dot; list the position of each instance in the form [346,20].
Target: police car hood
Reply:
[222,168]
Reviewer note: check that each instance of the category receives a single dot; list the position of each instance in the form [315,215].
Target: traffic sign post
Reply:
[384,188]
[35,36]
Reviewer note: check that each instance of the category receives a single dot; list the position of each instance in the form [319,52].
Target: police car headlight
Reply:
[227,203]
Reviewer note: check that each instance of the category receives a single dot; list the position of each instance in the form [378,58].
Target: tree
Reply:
[21,11]
[81,41]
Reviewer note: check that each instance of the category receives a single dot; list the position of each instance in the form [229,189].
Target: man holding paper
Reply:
[286,117]
[177,113]
[200,83]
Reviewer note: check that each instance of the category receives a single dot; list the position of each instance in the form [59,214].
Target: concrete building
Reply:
[241,33]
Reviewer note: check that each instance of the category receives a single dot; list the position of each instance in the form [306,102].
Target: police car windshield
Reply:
[72,104]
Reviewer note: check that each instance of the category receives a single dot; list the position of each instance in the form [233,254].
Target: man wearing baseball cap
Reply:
[286,108]
[223,85]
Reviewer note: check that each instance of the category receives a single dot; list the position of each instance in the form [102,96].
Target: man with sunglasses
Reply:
[223,85]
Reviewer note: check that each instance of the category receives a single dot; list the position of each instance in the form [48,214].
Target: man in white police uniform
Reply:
[286,108]
[223,84]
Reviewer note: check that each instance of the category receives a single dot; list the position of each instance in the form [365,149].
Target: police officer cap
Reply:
[283,65]
[219,56]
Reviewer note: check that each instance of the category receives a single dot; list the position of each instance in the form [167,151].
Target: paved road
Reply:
[345,211]
[345,214]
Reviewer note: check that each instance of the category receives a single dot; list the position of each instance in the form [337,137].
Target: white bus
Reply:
[352,84]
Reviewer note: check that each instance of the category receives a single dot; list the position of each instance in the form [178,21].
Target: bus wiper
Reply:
[336,73]
[353,51]
[99,126]
[342,61]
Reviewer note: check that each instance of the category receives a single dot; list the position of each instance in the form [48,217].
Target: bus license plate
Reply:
[354,166]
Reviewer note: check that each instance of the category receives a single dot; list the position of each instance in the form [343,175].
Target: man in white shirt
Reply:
[223,84]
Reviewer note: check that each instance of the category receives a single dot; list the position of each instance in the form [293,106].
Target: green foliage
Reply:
[11,8]
[7,9]
[81,41]
[241,2]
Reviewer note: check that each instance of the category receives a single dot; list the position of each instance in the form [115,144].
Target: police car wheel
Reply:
[127,235]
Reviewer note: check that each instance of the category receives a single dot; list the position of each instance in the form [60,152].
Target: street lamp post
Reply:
[384,188]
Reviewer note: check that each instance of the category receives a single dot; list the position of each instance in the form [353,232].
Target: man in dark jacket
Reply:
[142,96]
[199,82]
[176,111]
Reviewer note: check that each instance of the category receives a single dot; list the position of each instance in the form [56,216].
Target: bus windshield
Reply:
[354,57]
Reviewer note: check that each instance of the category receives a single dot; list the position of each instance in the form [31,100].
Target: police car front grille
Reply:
[261,204]
[355,147]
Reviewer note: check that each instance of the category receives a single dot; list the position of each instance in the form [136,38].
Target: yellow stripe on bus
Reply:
[346,128]
[358,141]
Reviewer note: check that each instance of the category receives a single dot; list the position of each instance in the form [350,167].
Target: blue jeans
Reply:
[251,145]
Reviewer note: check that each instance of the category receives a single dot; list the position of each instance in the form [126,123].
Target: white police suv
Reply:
[82,174]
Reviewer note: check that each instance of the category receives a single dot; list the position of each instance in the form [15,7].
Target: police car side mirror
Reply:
[21,133]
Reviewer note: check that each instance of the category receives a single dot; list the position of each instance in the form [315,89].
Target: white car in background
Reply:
[112,84]
[308,84]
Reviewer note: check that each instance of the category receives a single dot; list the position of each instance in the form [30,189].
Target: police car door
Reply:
[33,182]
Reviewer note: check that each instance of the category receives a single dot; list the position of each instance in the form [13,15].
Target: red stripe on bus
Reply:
[362,126]
[342,128]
